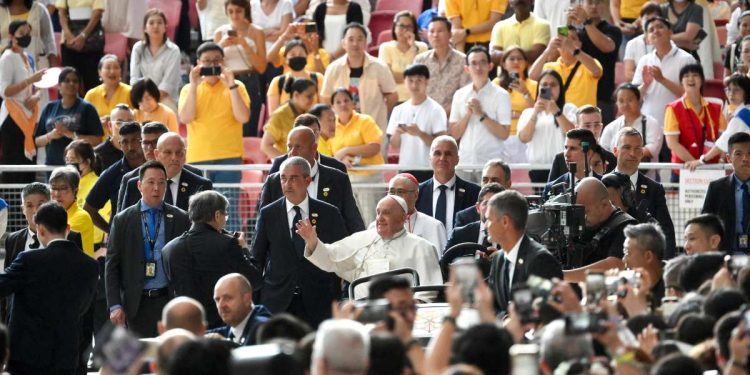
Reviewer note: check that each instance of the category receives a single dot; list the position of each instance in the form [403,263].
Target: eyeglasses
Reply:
[149,143]
[59,188]
[403,26]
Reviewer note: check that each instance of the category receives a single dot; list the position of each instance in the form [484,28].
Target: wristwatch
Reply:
[702,159]
[588,21]
[484,117]
[576,52]
[467,31]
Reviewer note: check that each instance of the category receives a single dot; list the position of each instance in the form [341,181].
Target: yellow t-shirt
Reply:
[582,89]
[398,61]
[324,147]
[526,34]
[98,98]
[325,59]
[80,221]
[474,12]
[631,8]
[84,187]
[273,87]
[360,130]
[20,17]
[162,114]
[280,124]
[518,102]
[214,133]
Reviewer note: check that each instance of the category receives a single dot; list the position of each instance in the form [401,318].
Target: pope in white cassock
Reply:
[406,186]
[386,247]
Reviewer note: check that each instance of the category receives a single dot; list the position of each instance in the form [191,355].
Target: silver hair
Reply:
[513,204]
[298,162]
[66,174]
[649,236]
[204,205]
[673,269]
[498,163]
[344,345]
[443,138]
[557,347]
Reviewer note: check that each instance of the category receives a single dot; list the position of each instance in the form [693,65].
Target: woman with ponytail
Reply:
[302,93]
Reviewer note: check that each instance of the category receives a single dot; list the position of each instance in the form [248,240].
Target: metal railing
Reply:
[245,195]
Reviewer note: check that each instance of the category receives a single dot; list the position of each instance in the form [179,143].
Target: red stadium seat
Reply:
[718,70]
[171,9]
[116,44]
[384,36]
[253,154]
[249,196]
[374,51]
[380,20]
[714,88]
[721,31]
[399,5]
[619,73]
[521,176]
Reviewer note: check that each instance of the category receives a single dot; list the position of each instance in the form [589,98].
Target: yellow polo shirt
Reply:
[325,59]
[214,133]
[324,147]
[98,98]
[474,12]
[273,87]
[631,8]
[360,130]
[518,102]
[280,124]
[162,114]
[509,32]
[398,62]
[80,221]
[582,89]
[84,187]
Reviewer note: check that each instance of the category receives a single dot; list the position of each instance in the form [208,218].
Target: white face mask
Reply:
[680,1]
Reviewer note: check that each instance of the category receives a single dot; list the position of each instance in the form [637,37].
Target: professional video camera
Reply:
[558,225]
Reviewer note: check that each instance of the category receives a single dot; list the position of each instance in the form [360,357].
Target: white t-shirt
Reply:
[478,145]
[654,134]
[430,118]
[733,27]
[273,20]
[548,139]
[657,96]
[235,57]
[335,25]
[554,11]
[734,126]
[637,48]
[211,18]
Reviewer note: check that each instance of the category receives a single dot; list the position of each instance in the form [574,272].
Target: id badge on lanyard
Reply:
[150,264]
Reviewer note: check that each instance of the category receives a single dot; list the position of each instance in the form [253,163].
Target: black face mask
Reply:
[24,41]
[75,166]
[297,63]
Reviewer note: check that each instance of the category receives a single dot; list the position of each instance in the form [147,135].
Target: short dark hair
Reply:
[203,205]
[387,354]
[53,217]
[200,357]
[709,223]
[492,187]
[65,72]
[637,323]
[694,328]
[381,285]
[341,91]
[142,86]
[512,204]
[739,137]
[660,19]
[582,135]
[741,81]
[700,267]
[693,68]
[554,74]
[151,164]
[721,301]
[295,42]
[410,16]
[627,86]
[587,109]
[307,120]
[417,70]
[35,188]
[244,4]
[649,8]
[282,326]
[154,127]
[208,46]
[723,331]
[485,346]
[318,109]
[478,49]
[130,127]
[355,25]
[444,20]
[677,364]
[298,85]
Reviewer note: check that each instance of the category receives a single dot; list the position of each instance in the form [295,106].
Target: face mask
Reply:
[24,41]
[680,1]
[297,63]
[75,166]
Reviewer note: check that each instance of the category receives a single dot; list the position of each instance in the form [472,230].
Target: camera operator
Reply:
[574,153]
[649,197]
[603,236]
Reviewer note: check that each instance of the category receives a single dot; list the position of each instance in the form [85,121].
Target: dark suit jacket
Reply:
[125,259]
[559,167]
[466,233]
[325,160]
[334,188]
[258,317]
[653,194]
[134,174]
[284,269]
[720,202]
[15,243]
[52,289]
[466,216]
[196,260]
[533,259]
[465,196]
[190,183]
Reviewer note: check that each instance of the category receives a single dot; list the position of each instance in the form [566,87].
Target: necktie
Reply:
[152,224]
[745,208]
[442,206]
[299,243]
[506,277]
[231,337]
[35,242]
[486,242]
[169,199]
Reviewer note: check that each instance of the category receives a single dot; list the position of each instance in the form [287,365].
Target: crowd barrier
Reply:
[245,195]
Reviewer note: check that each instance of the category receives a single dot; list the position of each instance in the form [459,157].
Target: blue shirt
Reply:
[81,118]
[106,187]
[738,208]
[160,279]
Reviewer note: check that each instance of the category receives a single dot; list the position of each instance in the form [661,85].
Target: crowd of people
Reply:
[127,238]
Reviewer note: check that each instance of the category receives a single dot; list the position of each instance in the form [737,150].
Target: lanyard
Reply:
[151,241]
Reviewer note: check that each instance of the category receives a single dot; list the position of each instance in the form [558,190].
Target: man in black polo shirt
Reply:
[109,151]
[105,189]
[601,40]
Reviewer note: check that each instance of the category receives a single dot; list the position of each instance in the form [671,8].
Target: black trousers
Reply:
[86,63]
[149,313]
[20,368]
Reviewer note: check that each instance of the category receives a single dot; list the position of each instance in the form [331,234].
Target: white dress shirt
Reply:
[512,257]
[633,177]
[237,330]
[174,186]
[312,189]
[654,134]
[30,239]
[290,212]
[450,200]
[427,227]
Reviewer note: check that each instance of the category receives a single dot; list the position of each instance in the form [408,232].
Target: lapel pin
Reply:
[644,186]
[461,190]
[184,183]
[326,189]
[182,189]
[314,214]
[313,221]
[520,261]
[643,191]
[169,216]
